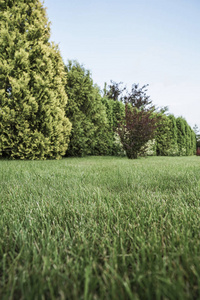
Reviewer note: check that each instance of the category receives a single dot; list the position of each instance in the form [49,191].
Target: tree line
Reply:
[129,120]
[49,110]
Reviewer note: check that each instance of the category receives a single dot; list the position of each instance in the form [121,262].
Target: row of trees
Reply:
[38,120]
[120,120]
[94,118]
[175,137]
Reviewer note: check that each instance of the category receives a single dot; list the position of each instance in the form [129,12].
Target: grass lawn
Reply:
[100,228]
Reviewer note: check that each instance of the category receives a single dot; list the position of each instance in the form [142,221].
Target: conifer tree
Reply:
[181,136]
[115,111]
[163,141]
[33,124]
[188,133]
[173,136]
[87,113]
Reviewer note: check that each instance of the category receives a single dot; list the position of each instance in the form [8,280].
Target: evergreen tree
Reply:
[86,112]
[101,140]
[33,124]
[181,136]
[173,136]
[188,133]
[115,111]
[163,141]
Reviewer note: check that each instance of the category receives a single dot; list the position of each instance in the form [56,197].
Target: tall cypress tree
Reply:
[163,141]
[181,136]
[115,111]
[86,112]
[32,84]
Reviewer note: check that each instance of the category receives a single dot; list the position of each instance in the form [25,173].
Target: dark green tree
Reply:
[188,133]
[33,124]
[173,151]
[86,112]
[115,114]
[163,141]
[181,136]
[175,137]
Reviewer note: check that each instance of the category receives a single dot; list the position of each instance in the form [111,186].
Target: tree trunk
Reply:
[131,154]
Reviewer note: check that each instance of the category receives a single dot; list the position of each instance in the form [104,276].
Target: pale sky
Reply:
[155,42]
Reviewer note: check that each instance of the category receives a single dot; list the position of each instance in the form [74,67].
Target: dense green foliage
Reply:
[32,85]
[34,112]
[181,136]
[175,137]
[173,150]
[115,111]
[87,113]
[100,228]
[163,136]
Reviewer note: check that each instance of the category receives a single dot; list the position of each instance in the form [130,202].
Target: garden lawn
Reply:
[100,228]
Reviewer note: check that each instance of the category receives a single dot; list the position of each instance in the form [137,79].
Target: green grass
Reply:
[100,228]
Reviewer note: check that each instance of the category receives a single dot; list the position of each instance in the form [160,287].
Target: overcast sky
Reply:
[155,42]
